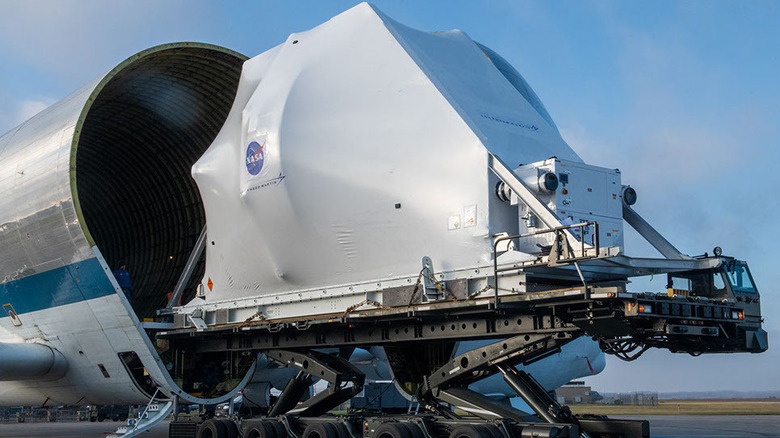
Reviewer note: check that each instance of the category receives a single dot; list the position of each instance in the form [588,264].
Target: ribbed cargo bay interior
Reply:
[146,128]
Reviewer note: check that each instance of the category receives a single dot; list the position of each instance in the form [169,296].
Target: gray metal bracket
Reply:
[433,288]
[650,234]
[200,244]
[344,382]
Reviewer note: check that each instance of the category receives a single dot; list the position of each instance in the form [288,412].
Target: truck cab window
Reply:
[740,278]
[717,281]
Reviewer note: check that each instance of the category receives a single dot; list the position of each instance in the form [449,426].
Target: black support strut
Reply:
[535,396]
[344,382]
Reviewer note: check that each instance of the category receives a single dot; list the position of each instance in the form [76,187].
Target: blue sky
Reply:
[681,96]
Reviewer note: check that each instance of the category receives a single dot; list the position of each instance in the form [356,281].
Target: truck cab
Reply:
[731,283]
[730,280]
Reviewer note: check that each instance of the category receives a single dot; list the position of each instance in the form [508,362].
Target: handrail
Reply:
[560,238]
[143,414]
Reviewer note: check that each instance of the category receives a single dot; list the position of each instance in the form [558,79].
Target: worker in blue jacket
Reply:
[123,279]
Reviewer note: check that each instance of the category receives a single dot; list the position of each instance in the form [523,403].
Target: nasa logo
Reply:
[254,157]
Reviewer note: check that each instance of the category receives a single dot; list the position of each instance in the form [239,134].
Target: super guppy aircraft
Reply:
[346,189]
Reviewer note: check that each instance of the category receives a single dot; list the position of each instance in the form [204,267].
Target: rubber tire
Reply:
[320,430]
[392,430]
[212,429]
[281,431]
[341,430]
[265,429]
[491,431]
[230,428]
[414,430]
[469,431]
[256,430]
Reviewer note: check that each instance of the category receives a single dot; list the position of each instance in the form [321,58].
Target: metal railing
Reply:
[560,253]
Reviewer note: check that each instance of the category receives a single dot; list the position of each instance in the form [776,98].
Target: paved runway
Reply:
[661,426]
[79,429]
[713,426]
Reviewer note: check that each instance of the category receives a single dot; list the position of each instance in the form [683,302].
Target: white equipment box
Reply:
[575,192]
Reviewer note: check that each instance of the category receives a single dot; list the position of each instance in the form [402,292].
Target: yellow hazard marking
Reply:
[9,309]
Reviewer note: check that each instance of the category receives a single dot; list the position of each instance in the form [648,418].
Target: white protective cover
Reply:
[350,121]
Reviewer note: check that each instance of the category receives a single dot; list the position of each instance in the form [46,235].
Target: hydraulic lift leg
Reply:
[291,394]
[535,396]
[344,382]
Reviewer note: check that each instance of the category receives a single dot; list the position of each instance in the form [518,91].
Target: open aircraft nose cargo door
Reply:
[115,186]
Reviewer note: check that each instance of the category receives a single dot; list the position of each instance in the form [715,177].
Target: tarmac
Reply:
[661,426]
[713,426]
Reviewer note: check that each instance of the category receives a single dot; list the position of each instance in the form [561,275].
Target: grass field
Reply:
[686,407]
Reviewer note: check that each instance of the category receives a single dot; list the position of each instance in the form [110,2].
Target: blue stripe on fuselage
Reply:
[70,284]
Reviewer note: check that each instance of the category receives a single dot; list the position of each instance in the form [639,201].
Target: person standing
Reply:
[123,279]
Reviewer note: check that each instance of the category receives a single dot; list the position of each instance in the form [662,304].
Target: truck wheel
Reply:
[491,431]
[281,432]
[320,430]
[254,431]
[212,429]
[230,428]
[392,430]
[341,431]
[100,418]
[415,431]
[469,431]
[265,429]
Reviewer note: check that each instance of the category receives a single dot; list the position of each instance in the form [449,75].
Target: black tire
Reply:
[92,419]
[231,428]
[320,430]
[264,429]
[392,430]
[281,431]
[212,429]
[491,431]
[100,418]
[414,430]
[469,431]
[341,430]
[253,431]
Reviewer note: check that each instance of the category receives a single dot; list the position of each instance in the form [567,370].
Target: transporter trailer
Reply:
[527,327]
